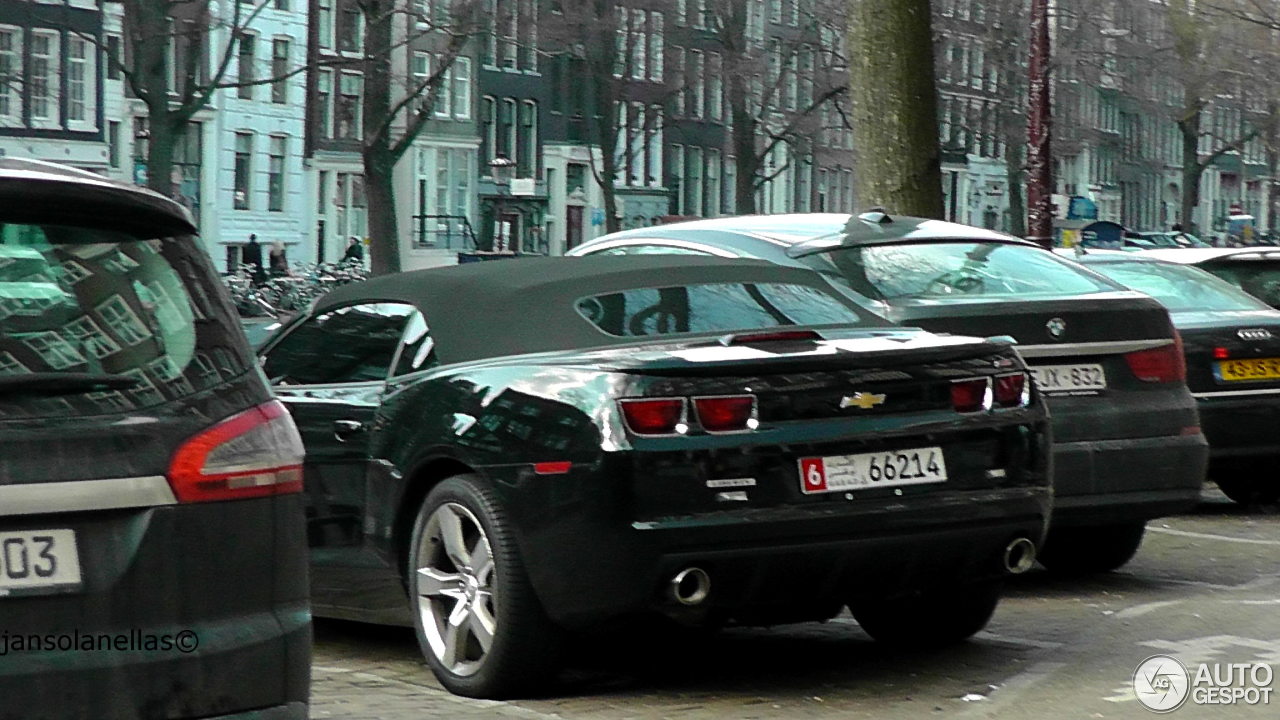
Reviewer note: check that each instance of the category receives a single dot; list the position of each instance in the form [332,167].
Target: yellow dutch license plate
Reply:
[1254,369]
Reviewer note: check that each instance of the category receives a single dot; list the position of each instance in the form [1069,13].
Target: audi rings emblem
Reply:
[1253,334]
[1057,327]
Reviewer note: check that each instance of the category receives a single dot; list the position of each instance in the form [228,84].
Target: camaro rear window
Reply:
[1178,288]
[957,269]
[713,307]
[93,321]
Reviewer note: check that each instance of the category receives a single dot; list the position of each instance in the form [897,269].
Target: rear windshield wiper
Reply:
[61,383]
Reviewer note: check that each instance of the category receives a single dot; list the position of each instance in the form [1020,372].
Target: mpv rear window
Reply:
[959,269]
[94,321]
[713,307]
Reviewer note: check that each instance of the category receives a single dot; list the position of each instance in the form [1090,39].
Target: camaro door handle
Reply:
[343,429]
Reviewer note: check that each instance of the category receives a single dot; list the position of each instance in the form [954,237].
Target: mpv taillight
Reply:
[1164,364]
[251,454]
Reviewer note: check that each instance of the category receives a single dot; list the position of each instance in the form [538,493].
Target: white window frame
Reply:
[88,66]
[460,81]
[53,86]
[10,91]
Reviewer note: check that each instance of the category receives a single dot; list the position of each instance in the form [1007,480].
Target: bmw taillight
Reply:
[255,453]
[968,396]
[1164,364]
[726,413]
[654,416]
[1011,390]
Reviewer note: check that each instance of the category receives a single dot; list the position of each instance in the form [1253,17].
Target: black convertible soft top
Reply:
[512,307]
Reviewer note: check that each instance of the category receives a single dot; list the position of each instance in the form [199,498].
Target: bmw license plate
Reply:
[889,468]
[1069,379]
[36,562]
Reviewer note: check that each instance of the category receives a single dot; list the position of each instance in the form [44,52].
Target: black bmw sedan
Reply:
[539,444]
[1232,346]
[1127,443]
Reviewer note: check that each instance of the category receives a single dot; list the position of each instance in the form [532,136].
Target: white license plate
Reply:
[1069,379]
[890,468]
[38,561]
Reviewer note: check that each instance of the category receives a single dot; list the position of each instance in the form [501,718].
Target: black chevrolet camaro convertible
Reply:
[531,446]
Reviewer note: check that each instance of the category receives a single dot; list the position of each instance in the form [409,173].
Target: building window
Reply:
[677,71]
[275,174]
[282,5]
[715,87]
[693,180]
[279,66]
[656,39]
[351,28]
[324,103]
[113,58]
[489,131]
[113,144]
[42,77]
[10,72]
[324,23]
[460,79]
[714,188]
[347,114]
[677,184]
[527,148]
[698,101]
[245,67]
[243,170]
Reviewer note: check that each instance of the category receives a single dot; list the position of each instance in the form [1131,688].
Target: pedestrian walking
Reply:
[278,260]
[251,254]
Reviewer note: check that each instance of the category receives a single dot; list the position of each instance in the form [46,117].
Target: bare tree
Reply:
[397,105]
[612,54]
[169,47]
[777,82]
[894,104]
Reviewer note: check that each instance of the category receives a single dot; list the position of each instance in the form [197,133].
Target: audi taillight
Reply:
[1164,364]
[969,396]
[1011,390]
[654,416]
[255,453]
[726,413]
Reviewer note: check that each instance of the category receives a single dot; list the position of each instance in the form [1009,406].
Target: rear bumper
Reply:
[1103,482]
[1241,426]
[187,611]
[771,558]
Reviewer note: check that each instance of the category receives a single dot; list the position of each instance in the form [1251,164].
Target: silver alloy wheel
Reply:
[454,588]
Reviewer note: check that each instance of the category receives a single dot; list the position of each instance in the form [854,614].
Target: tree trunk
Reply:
[894,107]
[1189,127]
[1273,165]
[162,139]
[384,245]
[379,160]
[746,161]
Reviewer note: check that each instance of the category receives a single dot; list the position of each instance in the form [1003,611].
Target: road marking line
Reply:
[1208,536]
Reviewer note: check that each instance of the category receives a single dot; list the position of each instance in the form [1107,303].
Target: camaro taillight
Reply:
[251,454]
[969,396]
[1159,365]
[727,413]
[1011,390]
[654,416]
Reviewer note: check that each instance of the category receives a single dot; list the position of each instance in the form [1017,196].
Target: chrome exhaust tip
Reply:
[1019,556]
[690,586]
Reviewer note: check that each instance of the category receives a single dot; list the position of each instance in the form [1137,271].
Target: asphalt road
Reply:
[1204,588]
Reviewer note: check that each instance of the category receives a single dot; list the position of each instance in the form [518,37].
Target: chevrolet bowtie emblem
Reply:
[862,401]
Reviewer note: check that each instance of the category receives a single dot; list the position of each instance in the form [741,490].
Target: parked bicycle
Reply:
[287,294]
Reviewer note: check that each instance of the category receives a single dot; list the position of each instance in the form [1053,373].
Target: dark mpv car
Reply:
[152,551]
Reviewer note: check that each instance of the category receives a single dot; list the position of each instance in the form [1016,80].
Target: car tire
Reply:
[464,598]
[1092,549]
[932,619]
[1250,490]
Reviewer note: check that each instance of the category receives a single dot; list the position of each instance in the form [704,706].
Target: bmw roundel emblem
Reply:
[1057,327]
